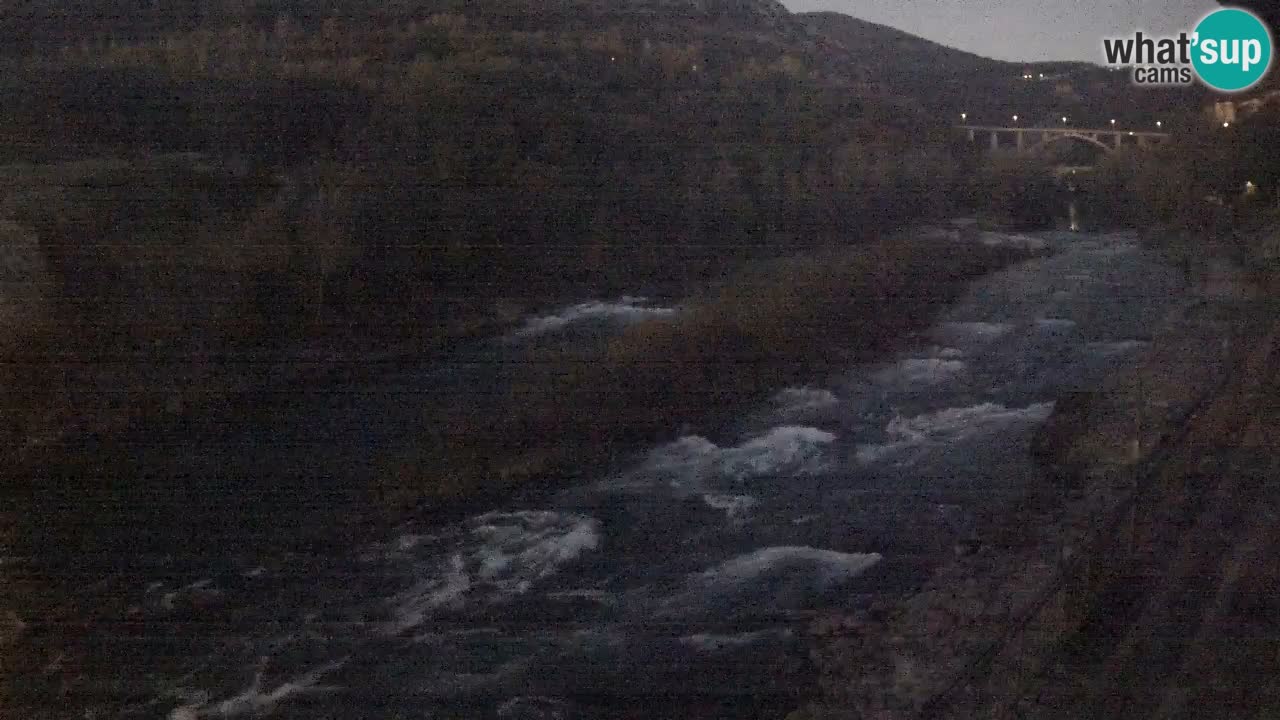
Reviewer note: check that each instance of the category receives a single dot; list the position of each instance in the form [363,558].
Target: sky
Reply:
[1023,30]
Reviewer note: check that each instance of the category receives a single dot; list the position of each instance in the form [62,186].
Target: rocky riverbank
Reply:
[1040,609]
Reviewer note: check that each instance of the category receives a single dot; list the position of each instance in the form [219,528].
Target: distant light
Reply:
[1159,124]
[1130,132]
[1113,121]
[1064,118]
[1226,124]
[1042,75]
[613,59]
[1015,118]
[964,116]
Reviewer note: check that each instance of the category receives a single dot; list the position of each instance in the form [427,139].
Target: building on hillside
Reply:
[1256,104]
[1228,111]
[1222,112]
[1065,89]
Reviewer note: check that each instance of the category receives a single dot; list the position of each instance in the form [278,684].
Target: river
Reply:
[181,574]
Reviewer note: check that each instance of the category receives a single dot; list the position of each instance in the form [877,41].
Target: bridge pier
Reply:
[995,140]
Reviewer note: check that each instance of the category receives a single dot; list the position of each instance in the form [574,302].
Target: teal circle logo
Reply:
[1231,49]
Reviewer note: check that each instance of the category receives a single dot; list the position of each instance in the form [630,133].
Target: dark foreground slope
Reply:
[1140,582]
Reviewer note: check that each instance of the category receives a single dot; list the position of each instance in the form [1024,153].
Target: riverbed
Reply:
[677,584]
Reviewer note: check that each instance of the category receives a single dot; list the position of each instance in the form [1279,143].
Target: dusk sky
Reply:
[1023,29]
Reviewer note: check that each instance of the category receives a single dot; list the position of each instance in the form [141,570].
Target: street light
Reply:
[1159,124]
[1015,118]
[1064,119]
[1113,122]
[964,116]
[1226,124]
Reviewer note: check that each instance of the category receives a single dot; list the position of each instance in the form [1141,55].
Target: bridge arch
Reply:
[1059,137]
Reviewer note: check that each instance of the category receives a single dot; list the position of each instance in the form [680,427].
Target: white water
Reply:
[922,371]
[712,642]
[826,566]
[802,400]
[986,237]
[1118,347]
[788,450]
[693,464]
[255,700]
[768,581]
[734,506]
[1012,240]
[765,582]
[1055,324]
[908,436]
[626,309]
[970,332]
[498,556]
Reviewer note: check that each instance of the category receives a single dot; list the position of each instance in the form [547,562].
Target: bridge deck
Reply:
[1066,130]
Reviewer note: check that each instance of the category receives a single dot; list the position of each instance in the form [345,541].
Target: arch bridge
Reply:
[1030,140]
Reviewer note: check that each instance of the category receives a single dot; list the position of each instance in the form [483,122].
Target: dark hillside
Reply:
[946,82]
[399,175]
[404,175]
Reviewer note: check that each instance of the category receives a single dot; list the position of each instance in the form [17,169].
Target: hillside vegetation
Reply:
[229,195]
[212,189]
